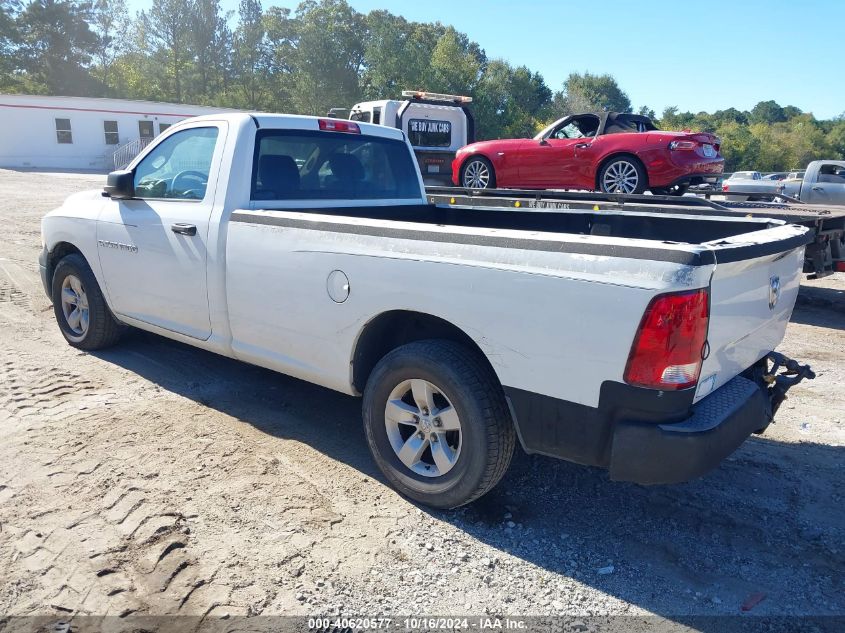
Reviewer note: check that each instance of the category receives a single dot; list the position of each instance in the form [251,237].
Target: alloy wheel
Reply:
[423,428]
[476,175]
[620,177]
[75,306]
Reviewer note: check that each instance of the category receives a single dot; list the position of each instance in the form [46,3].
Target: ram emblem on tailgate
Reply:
[774,292]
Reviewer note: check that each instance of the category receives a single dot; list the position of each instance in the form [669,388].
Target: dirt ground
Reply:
[154,478]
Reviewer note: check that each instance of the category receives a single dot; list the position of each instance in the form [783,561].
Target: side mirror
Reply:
[120,185]
[544,141]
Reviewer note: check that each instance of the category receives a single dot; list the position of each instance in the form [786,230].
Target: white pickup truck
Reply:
[637,342]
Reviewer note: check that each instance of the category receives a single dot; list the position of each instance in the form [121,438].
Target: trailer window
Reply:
[63,132]
[303,165]
[427,133]
[145,129]
[110,130]
[360,116]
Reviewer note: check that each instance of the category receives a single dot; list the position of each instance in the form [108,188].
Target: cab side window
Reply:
[178,167]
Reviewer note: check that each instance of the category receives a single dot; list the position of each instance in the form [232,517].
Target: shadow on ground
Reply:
[770,520]
[822,307]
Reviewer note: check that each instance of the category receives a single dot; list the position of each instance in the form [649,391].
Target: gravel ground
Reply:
[159,479]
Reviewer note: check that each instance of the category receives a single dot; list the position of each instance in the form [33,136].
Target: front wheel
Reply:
[80,308]
[437,423]
[477,173]
[623,175]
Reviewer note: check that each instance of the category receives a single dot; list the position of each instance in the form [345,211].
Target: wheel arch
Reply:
[59,251]
[394,328]
[618,154]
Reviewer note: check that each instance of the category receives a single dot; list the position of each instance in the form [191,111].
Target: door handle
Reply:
[184,229]
[582,145]
[817,188]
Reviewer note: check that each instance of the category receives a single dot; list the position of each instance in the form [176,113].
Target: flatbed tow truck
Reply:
[824,256]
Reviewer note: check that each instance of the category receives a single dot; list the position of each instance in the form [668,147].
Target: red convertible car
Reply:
[604,151]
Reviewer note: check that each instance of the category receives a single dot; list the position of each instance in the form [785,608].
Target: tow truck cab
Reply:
[437,125]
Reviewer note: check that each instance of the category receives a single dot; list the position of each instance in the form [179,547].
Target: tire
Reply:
[76,291]
[478,173]
[623,174]
[464,394]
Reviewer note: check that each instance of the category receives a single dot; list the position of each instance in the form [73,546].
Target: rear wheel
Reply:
[437,423]
[80,308]
[478,173]
[624,174]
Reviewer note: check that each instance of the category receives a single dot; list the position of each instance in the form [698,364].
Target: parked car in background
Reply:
[747,185]
[823,182]
[745,175]
[604,151]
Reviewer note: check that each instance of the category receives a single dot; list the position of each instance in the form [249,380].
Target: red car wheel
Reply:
[477,173]
[624,174]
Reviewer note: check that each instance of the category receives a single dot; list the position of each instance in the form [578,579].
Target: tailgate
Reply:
[752,293]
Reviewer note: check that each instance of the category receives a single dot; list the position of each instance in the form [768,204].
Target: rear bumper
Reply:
[655,437]
[672,453]
[668,168]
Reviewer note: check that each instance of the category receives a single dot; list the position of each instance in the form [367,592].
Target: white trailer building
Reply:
[41,132]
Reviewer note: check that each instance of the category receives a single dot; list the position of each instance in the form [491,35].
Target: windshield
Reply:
[581,126]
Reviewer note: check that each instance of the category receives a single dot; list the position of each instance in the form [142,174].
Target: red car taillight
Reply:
[668,350]
[725,188]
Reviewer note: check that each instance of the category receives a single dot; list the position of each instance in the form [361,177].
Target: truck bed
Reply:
[826,221]
[668,226]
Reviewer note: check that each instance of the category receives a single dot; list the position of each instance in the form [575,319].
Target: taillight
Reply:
[682,145]
[725,188]
[339,125]
[669,347]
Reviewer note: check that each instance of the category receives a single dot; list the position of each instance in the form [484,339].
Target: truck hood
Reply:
[84,204]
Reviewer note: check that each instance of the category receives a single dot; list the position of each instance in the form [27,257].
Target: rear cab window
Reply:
[321,165]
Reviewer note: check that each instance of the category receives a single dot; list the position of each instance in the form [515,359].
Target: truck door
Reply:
[153,248]
[829,185]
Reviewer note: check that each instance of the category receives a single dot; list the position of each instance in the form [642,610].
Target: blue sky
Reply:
[697,55]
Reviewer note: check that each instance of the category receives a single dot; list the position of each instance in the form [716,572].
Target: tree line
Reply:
[325,54]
